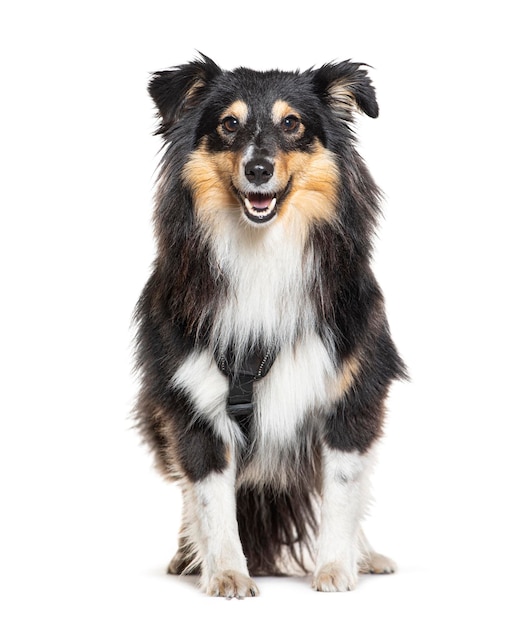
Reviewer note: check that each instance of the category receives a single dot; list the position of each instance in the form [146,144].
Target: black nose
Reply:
[259,171]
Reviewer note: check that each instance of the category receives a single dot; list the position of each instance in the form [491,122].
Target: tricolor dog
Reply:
[263,347]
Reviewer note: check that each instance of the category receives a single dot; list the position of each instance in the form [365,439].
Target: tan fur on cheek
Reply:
[209,178]
[314,184]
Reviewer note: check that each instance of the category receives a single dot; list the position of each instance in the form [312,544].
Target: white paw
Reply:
[231,584]
[334,577]
[375,563]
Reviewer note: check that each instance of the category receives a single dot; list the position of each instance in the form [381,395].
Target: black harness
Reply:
[255,365]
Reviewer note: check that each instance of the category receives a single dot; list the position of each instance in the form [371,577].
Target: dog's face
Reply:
[263,144]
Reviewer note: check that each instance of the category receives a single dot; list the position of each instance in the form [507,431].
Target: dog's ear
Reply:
[345,86]
[177,90]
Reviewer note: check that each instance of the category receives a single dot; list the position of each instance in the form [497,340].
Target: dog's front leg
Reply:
[216,538]
[344,496]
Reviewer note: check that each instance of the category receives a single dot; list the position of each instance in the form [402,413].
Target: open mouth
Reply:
[259,207]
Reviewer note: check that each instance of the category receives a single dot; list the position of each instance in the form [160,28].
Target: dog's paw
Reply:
[231,584]
[334,577]
[375,563]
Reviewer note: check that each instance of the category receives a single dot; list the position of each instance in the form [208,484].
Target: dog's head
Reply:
[261,145]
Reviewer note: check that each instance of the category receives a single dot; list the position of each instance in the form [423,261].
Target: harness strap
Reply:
[255,365]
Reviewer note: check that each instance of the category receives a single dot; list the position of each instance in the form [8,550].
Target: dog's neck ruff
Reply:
[253,367]
[267,304]
[268,275]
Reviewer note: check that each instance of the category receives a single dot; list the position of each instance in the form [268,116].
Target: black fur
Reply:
[177,310]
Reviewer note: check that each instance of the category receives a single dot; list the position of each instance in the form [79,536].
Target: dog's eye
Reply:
[230,124]
[290,123]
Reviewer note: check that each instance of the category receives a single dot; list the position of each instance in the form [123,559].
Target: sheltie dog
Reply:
[263,347]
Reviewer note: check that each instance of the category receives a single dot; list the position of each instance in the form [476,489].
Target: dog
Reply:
[263,347]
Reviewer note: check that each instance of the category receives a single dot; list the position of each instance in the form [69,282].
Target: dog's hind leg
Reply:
[185,561]
[371,562]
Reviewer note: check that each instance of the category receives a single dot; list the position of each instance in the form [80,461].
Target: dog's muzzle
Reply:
[260,204]
[260,198]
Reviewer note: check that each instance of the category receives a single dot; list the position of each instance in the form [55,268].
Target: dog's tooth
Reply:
[271,205]
[248,205]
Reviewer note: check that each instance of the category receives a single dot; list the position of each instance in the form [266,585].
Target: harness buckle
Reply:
[240,405]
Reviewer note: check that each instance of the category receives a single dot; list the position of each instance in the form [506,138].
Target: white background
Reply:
[87,525]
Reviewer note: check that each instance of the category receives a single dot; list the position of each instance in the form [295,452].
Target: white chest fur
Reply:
[269,277]
[289,401]
[297,388]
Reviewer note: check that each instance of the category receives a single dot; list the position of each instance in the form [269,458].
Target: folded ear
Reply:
[345,86]
[177,90]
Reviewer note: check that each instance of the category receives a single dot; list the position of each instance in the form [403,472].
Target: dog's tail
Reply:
[277,529]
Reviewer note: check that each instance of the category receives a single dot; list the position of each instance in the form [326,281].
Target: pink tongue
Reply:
[259,200]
